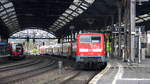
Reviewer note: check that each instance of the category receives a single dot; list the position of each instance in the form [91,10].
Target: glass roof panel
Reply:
[3,17]
[68,11]
[73,7]
[33,33]
[1,8]
[5,20]
[62,18]
[142,16]
[67,20]
[75,14]
[61,24]
[77,2]
[3,1]
[70,17]
[79,10]
[84,6]
[2,13]
[136,18]
[65,14]
[76,8]
[59,20]
[90,1]
[147,18]
[138,21]
[8,5]
[10,9]
[12,13]
[14,16]
[55,24]
[13,19]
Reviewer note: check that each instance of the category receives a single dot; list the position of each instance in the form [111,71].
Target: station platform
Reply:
[119,72]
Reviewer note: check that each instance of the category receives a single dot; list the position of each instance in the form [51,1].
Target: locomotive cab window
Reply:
[85,39]
[13,47]
[89,39]
[16,47]
[95,39]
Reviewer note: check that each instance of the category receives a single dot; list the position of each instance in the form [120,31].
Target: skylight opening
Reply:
[61,24]
[65,14]
[3,1]
[142,16]
[147,18]
[76,8]
[73,7]
[1,8]
[10,9]
[4,17]
[13,16]
[8,5]
[70,17]
[5,20]
[2,13]
[68,11]
[140,20]
[33,33]
[75,14]
[12,13]
[79,10]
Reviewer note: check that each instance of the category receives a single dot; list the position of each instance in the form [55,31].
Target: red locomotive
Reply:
[90,49]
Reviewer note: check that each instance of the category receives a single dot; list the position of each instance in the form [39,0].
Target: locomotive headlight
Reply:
[81,54]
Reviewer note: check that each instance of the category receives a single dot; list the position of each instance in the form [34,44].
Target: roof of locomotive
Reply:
[91,34]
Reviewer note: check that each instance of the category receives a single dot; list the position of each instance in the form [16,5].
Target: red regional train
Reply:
[13,51]
[17,51]
[90,49]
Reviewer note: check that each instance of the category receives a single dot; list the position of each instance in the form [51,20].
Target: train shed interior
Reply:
[75,41]
[74,16]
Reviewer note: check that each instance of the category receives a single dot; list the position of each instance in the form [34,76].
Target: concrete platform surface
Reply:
[125,73]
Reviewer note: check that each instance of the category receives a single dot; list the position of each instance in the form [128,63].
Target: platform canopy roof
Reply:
[58,16]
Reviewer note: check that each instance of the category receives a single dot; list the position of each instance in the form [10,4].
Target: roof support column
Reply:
[132,29]
[126,20]
[119,20]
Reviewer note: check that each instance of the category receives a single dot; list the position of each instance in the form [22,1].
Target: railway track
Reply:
[46,72]
[18,76]
[81,77]
[19,65]
[71,75]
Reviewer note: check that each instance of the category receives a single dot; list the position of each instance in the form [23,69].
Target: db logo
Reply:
[90,50]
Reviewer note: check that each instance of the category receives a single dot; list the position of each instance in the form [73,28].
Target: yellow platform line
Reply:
[99,75]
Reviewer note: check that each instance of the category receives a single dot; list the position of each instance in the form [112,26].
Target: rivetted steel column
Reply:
[119,20]
[132,29]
